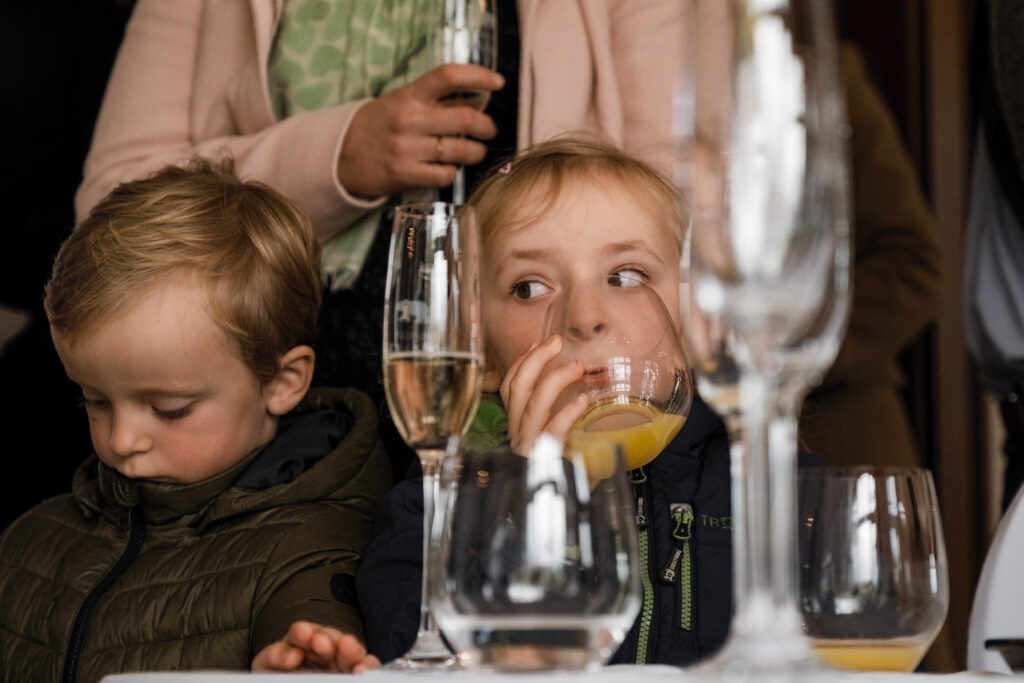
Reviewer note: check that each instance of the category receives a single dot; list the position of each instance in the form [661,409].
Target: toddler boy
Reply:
[222,517]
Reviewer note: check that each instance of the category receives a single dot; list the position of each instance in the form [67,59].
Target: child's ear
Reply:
[294,374]
[492,378]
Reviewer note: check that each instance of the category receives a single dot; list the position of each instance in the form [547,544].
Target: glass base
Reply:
[428,653]
[493,646]
[765,659]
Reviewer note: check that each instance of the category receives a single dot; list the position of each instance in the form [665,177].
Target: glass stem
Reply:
[782,449]
[429,647]
[431,467]
[763,466]
[459,186]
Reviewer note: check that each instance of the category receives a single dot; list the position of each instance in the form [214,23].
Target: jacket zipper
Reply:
[136,537]
[679,570]
[646,631]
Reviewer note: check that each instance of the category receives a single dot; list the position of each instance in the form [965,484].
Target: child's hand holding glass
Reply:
[529,391]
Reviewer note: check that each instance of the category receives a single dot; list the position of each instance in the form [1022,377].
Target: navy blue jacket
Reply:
[683,526]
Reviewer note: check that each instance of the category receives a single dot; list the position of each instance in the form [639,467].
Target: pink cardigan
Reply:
[191,77]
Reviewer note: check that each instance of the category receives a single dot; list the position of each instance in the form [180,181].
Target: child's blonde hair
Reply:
[518,193]
[253,249]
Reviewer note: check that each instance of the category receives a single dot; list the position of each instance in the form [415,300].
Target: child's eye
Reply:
[93,404]
[171,415]
[528,289]
[627,277]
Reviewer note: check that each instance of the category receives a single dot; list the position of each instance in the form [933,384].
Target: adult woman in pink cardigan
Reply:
[192,77]
[196,77]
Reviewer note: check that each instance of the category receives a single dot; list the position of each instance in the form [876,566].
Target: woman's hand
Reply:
[311,647]
[405,139]
[529,392]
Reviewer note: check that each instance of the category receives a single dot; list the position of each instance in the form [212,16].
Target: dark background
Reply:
[56,57]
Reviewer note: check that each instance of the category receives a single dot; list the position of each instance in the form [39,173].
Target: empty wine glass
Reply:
[433,358]
[762,144]
[873,584]
[636,376]
[535,567]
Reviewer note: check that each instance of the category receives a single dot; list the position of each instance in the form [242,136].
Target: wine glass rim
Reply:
[877,471]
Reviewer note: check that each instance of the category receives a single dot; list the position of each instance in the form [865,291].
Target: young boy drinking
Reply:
[561,213]
[220,522]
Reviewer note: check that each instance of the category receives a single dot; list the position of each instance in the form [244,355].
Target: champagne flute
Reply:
[469,35]
[763,164]
[535,568]
[433,360]
[636,375]
[873,583]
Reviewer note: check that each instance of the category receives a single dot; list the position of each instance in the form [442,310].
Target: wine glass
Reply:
[636,375]
[535,570]
[873,583]
[762,161]
[433,359]
[469,35]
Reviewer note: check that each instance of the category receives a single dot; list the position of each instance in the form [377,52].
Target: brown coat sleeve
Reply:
[896,278]
[311,573]
[308,573]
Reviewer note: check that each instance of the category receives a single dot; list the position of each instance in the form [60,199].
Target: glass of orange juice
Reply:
[636,375]
[873,584]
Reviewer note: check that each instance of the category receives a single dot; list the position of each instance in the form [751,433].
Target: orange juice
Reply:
[640,428]
[897,654]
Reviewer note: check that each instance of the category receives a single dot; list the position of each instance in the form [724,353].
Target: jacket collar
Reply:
[99,488]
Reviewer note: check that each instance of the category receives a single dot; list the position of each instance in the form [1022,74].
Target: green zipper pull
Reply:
[670,574]
[637,477]
[683,514]
[640,514]
[681,563]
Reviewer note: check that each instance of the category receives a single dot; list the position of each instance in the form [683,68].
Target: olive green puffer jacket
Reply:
[123,575]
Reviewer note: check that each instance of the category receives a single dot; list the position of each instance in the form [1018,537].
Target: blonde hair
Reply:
[252,248]
[518,193]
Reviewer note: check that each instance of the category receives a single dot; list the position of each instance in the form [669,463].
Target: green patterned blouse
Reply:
[327,52]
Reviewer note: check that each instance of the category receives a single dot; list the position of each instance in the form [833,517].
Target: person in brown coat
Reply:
[857,415]
[220,522]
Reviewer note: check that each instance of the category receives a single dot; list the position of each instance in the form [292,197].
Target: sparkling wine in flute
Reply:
[636,425]
[432,396]
[474,99]
[892,654]
[432,357]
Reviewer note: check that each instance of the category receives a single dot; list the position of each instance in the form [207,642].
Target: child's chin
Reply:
[159,480]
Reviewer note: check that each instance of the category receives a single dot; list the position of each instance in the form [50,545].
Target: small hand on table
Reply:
[311,647]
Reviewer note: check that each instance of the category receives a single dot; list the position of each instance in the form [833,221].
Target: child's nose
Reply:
[587,319]
[127,435]
[586,330]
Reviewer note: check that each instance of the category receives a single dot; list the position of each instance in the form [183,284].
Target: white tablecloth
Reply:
[610,674]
